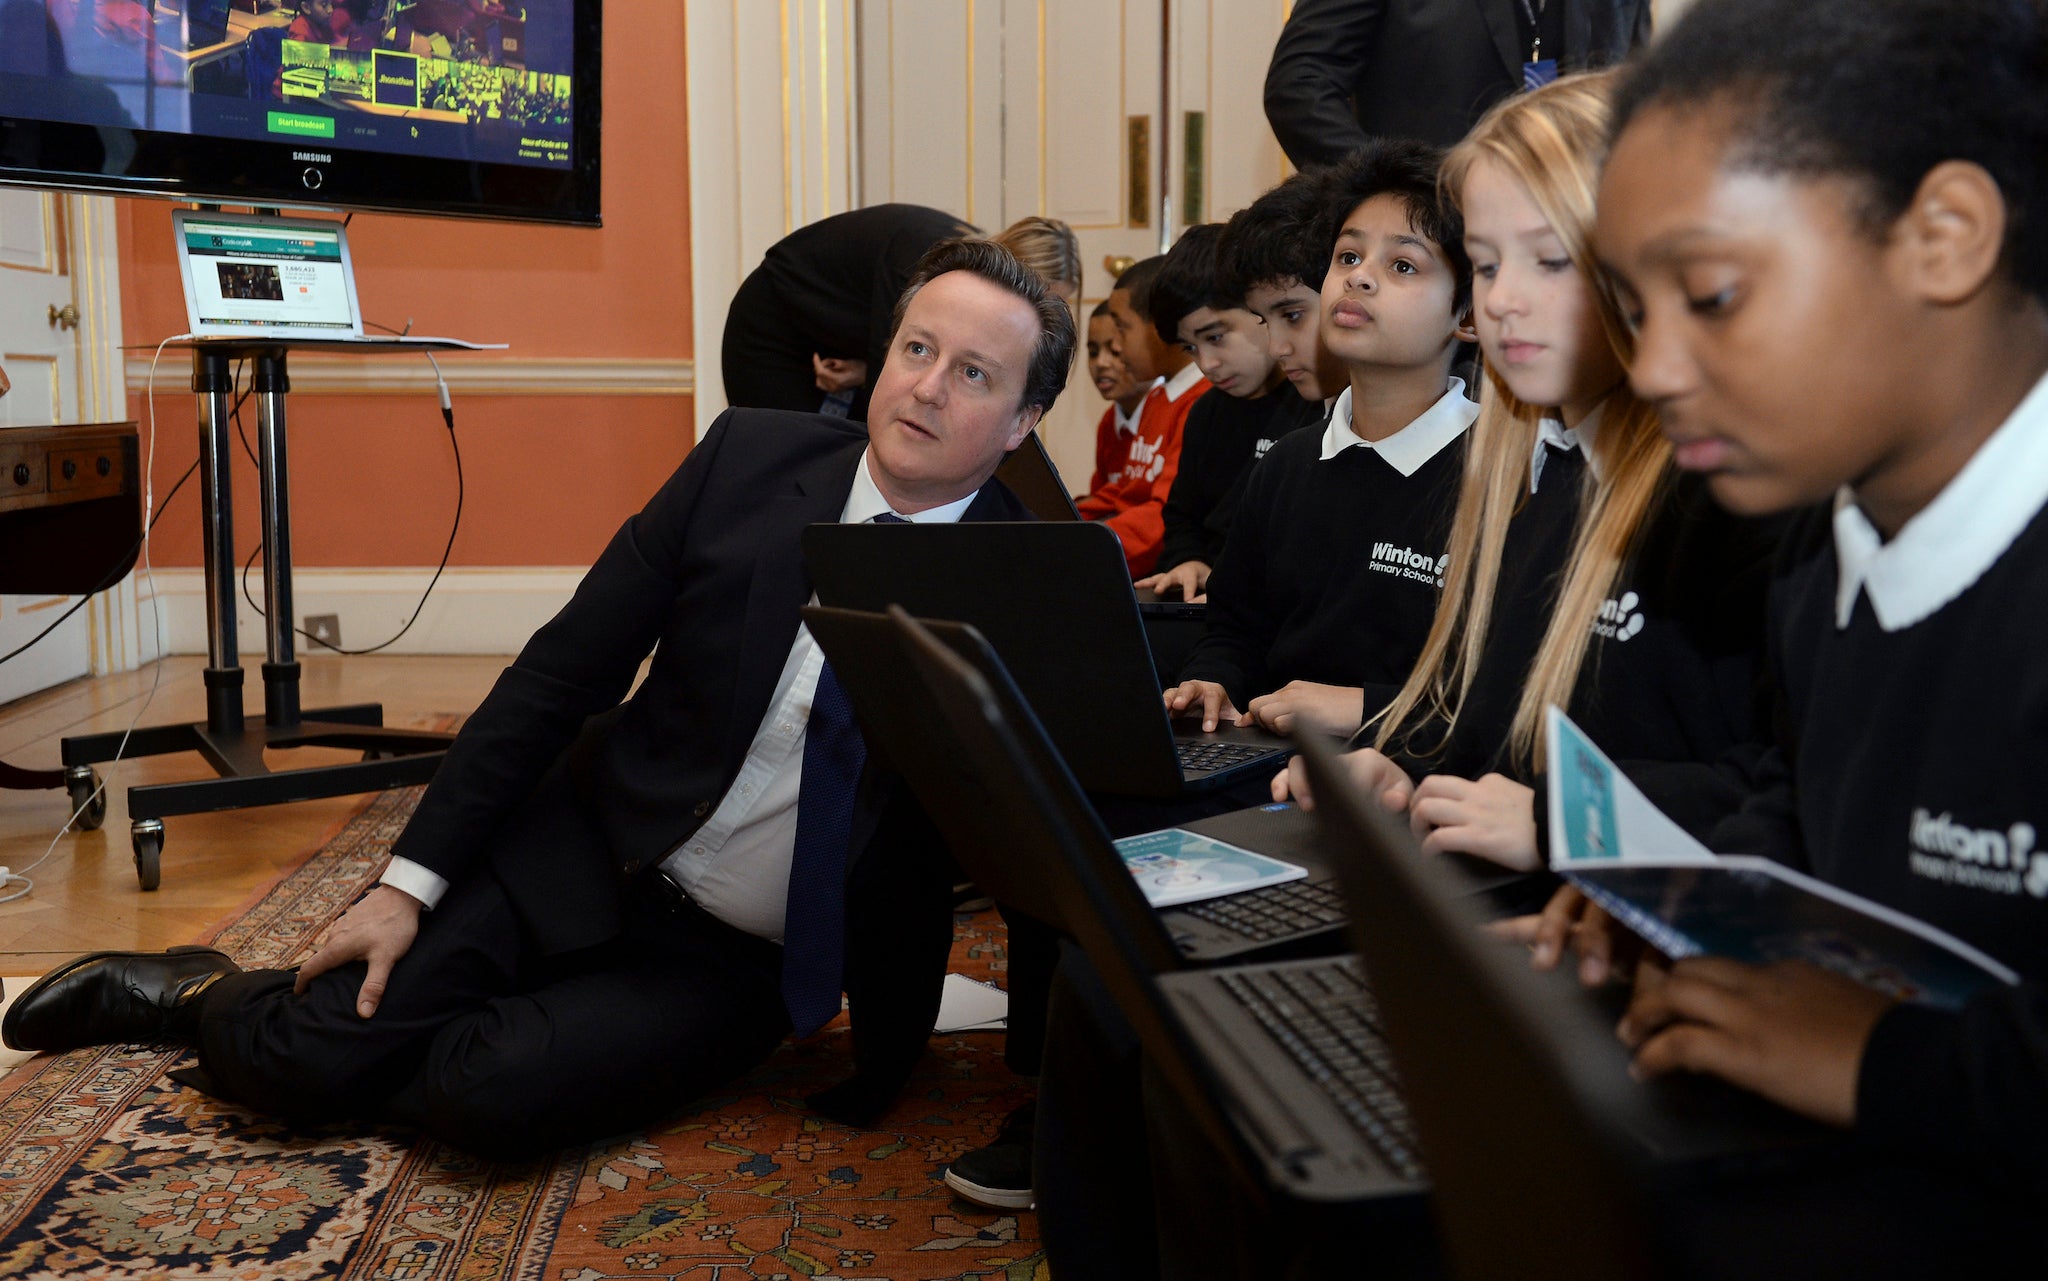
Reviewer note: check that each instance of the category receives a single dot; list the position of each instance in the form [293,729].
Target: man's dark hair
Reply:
[1187,280]
[1406,170]
[1272,241]
[1052,357]
[1876,91]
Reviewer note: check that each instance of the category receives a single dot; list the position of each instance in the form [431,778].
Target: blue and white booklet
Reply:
[1652,876]
[1178,866]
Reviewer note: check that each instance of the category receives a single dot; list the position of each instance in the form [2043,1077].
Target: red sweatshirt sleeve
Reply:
[1139,512]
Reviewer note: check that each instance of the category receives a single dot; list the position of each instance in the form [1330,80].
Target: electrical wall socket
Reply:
[325,628]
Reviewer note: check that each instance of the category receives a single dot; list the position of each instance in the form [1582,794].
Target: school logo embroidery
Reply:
[1406,562]
[1147,460]
[1619,619]
[1259,450]
[1978,858]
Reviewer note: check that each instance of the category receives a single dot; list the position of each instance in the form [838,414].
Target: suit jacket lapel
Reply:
[1499,16]
[781,587]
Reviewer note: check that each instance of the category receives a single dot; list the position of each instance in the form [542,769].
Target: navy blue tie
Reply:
[814,915]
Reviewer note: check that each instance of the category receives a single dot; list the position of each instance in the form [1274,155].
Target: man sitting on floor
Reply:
[604,908]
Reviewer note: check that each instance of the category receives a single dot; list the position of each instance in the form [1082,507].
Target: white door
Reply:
[1082,110]
[55,339]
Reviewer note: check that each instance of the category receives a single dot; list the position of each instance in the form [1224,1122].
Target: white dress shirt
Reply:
[736,866]
[1949,543]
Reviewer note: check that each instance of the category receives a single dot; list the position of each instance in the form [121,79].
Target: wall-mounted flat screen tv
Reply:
[476,108]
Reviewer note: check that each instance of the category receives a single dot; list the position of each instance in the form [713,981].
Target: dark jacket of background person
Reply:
[1347,70]
[830,289]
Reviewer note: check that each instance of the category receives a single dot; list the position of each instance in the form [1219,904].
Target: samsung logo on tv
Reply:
[321,157]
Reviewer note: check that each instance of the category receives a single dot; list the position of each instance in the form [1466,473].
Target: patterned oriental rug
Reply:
[110,1170]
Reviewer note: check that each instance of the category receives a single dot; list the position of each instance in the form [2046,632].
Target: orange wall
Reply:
[549,478]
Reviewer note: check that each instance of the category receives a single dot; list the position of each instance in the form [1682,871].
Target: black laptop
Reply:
[1031,475]
[873,658]
[1029,472]
[1055,601]
[1291,1061]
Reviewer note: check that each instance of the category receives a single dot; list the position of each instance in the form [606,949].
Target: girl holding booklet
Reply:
[1583,570]
[1824,218]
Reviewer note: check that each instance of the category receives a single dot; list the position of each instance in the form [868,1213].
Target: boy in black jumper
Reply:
[1823,214]
[1328,583]
[1249,405]
[1272,259]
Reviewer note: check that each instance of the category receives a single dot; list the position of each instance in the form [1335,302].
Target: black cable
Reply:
[448,418]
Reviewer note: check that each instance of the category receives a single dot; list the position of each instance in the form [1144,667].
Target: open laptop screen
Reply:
[265,277]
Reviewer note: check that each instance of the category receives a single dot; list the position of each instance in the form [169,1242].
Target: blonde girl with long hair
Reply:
[1582,569]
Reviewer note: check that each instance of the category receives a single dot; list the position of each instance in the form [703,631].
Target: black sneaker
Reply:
[999,1175]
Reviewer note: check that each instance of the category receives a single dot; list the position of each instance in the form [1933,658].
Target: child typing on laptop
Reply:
[1327,584]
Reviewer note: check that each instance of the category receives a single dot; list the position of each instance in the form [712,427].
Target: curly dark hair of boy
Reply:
[1406,170]
[1876,91]
[1272,241]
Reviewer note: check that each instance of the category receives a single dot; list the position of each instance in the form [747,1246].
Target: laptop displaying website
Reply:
[260,278]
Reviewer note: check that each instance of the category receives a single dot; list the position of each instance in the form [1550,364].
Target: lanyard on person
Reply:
[1538,70]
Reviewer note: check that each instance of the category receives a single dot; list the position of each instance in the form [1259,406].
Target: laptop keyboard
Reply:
[1274,911]
[1207,758]
[1322,1015]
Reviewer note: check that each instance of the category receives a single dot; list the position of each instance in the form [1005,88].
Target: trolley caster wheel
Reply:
[147,835]
[88,798]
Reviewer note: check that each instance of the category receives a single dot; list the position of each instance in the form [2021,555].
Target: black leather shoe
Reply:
[113,998]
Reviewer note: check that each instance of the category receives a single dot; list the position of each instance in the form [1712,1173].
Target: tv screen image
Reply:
[476,107]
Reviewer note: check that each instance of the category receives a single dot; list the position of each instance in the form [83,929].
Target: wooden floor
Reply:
[86,897]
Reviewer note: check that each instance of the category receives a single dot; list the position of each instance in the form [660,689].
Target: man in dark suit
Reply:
[1346,71]
[603,908]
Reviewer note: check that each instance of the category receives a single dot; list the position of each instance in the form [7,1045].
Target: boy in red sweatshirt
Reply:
[1130,494]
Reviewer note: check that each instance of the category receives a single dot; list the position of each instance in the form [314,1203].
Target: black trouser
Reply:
[483,1041]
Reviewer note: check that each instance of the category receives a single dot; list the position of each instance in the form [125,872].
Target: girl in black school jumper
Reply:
[1826,214]
[1582,571]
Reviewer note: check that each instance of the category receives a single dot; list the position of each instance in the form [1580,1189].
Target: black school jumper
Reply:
[1916,774]
[1223,438]
[1331,572]
[1672,685]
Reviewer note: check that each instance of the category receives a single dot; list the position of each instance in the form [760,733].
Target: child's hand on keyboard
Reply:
[1493,818]
[1303,706]
[1207,699]
[1572,922]
[1369,768]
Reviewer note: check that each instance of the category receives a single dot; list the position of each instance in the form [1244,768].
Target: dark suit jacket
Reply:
[1344,71]
[710,578]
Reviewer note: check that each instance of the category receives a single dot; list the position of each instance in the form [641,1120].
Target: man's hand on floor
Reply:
[378,930]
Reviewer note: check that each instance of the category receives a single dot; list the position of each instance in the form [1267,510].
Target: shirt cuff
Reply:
[410,877]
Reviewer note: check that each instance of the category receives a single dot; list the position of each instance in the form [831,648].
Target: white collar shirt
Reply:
[1552,432]
[1177,386]
[1950,543]
[1412,446]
